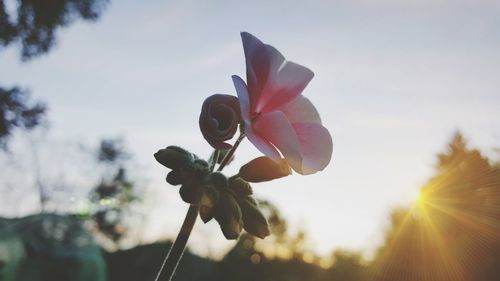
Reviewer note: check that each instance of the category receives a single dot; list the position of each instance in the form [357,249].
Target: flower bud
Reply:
[199,169]
[240,187]
[254,221]
[218,179]
[174,157]
[219,119]
[196,193]
[264,169]
[228,215]
[206,213]
[190,193]
[174,177]
[209,197]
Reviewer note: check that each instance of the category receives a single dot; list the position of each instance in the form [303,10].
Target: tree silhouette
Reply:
[453,230]
[115,192]
[17,111]
[35,22]
[34,26]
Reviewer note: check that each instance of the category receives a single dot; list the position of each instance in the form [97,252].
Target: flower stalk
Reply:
[173,257]
[231,152]
[175,253]
[284,125]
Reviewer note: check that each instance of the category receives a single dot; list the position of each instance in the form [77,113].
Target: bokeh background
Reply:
[90,89]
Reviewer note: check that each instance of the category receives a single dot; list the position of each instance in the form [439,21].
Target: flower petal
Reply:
[276,61]
[315,147]
[242,92]
[263,63]
[285,86]
[262,145]
[301,110]
[257,65]
[276,129]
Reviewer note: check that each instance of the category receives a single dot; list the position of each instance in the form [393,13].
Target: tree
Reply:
[114,194]
[17,111]
[49,247]
[453,230]
[280,256]
[34,26]
[35,23]
[347,266]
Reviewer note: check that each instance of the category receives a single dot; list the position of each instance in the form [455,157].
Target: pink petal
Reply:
[301,110]
[276,61]
[262,144]
[315,147]
[270,78]
[242,92]
[276,129]
[283,87]
[257,65]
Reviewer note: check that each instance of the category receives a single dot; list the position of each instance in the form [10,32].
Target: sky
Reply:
[393,81]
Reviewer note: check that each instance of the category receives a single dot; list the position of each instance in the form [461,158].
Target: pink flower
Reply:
[278,119]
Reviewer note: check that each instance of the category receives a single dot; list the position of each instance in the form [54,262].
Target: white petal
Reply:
[301,110]
[242,92]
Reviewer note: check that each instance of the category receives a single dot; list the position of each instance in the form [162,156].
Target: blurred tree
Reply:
[49,247]
[111,151]
[246,261]
[347,266]
[142,263]
[280,256]
[17,111]
[453,230]
[114,194]
[35,23]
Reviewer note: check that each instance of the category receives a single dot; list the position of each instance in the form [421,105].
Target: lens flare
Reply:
[451,232]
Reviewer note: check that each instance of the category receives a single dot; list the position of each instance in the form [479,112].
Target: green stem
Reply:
[173,257]
[213,159]
[231,152]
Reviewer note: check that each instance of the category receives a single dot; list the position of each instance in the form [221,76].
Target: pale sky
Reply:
[393,81]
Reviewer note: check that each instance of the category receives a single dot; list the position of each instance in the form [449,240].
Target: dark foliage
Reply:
[245,263]
[111,151]
[49,247]
[143,263]
[17,111]
[451,233]
[34,25]
[36,22]
[112,198]
[114,194]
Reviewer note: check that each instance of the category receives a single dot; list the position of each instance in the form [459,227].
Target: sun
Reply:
[419,203]
[421,199]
